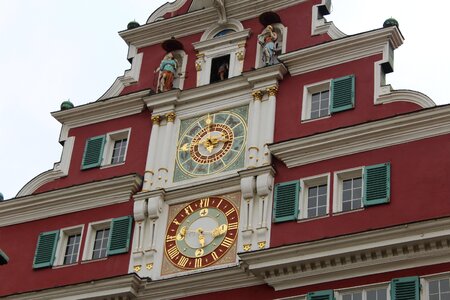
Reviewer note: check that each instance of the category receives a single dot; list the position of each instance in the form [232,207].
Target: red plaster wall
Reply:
[136,153]
[19,242]
[419,191]
[288,123]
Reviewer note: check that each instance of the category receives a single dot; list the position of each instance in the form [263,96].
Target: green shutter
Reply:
[286,201]
[377,184]
[321,295]
[342,93]
[407,288]
[119,235]
[45,249]
[3,258]
[93,152]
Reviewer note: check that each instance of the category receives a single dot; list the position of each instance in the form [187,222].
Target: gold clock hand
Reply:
[219,230]
[182,233]
[201,237]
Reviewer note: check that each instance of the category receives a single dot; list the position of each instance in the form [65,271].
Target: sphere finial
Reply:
[133,24]
[390,22]
[66,105]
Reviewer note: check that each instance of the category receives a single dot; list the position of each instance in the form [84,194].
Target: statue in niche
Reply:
[267,40]
[167,70]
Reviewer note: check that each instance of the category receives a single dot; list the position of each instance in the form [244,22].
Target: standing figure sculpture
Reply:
[167,70]
[267,39]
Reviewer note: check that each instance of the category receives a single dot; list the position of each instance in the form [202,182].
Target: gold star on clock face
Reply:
[211,144]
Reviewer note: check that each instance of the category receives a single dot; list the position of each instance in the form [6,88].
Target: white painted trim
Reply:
[59,170]
[307,182]
[368,136]
[67,200]
[88,249]
[407,96]
[167,7]
[308,91]
[338,179]
[214,29]
[130,76]
[321,26]
[371,252]
[64,234]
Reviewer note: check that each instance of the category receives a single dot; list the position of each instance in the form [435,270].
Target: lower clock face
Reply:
[201,233]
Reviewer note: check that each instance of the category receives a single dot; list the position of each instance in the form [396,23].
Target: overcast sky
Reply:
[53,50]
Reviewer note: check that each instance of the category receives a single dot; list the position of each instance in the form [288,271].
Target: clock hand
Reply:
[219,230]
[182,233]
[201,237]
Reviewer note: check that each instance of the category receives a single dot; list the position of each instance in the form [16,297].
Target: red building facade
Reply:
[252,150]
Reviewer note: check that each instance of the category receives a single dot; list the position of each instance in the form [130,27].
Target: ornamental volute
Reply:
[257,95]
[171,117]
[272,91]
[156,120]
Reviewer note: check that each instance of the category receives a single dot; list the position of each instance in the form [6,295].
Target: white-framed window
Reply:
[106,150]
[437,287]
[97,237]
[314,196]
[369,293]
[116,147]
[330,96]
[348,190]
[316,100]
[68,249]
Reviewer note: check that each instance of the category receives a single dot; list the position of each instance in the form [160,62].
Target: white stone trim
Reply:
[371,252]
[308,91]
[68,200]
[407,96]
[321,26]
[64,234]
[167,7]
[129,77]
[88,249]
[307,182]
[368,136]
[100,111]
[338,178]
[59,170]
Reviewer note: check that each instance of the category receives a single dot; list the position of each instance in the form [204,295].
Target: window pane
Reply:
[347,184]
[434,287]
[101,243]
[347,297]
[357,193]
[346,206]
[445,296]
[323,189]
[445,285]
[434,297]
[357,182]
[347,195]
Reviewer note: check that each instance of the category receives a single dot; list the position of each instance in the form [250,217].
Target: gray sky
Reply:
[53,50]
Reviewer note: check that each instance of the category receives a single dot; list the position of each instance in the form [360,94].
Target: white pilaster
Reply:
[149,177]
[269,125]
[163,169]
[253,149]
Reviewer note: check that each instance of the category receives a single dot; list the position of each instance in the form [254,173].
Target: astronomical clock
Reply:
[211,144]
[201,233]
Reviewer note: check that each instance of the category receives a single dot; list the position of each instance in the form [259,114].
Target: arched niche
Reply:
[221,52]
[279,44]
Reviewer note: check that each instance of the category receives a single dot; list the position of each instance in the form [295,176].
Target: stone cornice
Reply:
[350,256]
[200,283]
[233,89]
[197,21]
[102,110]
[123,287]
[396,130]
[341,50]
[69,200]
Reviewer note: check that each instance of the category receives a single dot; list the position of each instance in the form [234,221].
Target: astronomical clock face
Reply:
[211,144]
[201,233]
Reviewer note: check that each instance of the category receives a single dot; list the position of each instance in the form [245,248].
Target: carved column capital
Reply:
[156,120]
[171,117]
[257,95]
[272,91]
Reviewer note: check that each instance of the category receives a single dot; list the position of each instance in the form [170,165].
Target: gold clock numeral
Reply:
[204,202]
[198,262]
[173,252]
[170,238]
[188,210]
[203,212]
[214,256]
[176,222]
[232,210]
[183,261]
[233,226]
[227,242]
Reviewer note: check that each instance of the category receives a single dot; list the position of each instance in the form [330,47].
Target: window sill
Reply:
[338,213]
[65,266]
[112,165]
[303,121]
[88,261]
[312,219]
